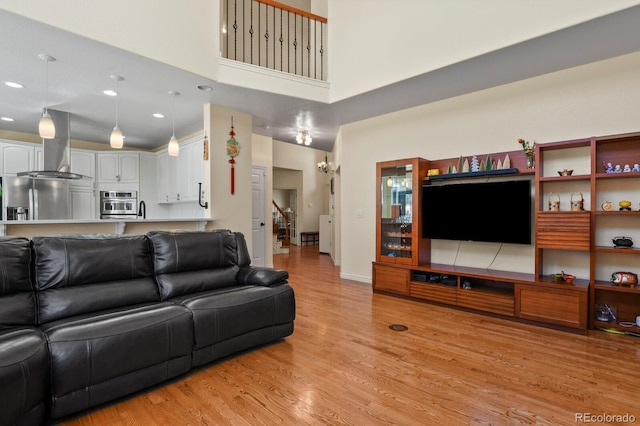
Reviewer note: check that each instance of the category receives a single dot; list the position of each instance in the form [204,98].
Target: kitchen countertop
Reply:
[72,226]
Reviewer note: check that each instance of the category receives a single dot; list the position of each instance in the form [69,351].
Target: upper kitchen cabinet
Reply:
[122,167]
[16,158]
[179,177]
[84,163]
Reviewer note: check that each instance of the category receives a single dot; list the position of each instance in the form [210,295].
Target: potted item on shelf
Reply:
[565,172]
[554,202]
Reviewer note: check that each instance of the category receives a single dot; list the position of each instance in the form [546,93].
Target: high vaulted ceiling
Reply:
[77,79]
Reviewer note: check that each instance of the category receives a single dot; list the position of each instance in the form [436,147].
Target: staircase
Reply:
[281,230]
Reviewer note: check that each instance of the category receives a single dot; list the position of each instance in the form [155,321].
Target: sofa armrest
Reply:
[257,275]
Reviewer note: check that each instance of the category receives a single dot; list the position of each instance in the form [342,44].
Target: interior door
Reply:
[258,228]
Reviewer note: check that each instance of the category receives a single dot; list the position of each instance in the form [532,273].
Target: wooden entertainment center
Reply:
[578,238]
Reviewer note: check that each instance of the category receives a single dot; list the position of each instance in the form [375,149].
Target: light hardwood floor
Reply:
[343,365]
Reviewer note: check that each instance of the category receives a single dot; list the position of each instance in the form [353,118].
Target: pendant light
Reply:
[116,140]
[174,147]
[46,128]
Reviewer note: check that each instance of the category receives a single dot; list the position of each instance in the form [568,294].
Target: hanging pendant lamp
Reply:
[46,128]
[174,147]
[117,139]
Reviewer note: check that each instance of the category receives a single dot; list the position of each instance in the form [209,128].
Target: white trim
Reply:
[224,62]
[359,278]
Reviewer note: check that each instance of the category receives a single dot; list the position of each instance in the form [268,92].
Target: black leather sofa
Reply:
[88,319]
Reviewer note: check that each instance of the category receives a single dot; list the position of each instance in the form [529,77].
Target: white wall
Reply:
[183,34]
[373,43]
[597,99]
[231,211]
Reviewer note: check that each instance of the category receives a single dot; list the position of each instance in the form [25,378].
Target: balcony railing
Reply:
[276,36]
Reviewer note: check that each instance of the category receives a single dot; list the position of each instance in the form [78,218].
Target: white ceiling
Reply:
[83,68]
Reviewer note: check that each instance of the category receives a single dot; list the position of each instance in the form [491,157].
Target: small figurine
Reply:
[608,168]
[627,168]
[618,169]
[636,168]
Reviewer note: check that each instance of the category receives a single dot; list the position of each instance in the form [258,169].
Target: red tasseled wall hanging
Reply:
[233,149]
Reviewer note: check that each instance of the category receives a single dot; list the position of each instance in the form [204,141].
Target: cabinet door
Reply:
[164,178]
[108,169]
[16,158]
[84,163]
[189,171]
[129,167]
[83,203]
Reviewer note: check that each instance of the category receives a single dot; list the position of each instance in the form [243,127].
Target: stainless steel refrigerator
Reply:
[36,199]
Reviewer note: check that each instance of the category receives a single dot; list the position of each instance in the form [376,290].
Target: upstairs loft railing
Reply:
[276,36]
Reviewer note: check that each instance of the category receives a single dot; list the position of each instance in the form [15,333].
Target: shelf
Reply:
[607,249]
[467,175]
[607,286]
[633,329]
[565,178]
[618,213]
[617,175]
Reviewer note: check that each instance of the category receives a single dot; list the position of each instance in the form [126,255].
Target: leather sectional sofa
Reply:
[88,319]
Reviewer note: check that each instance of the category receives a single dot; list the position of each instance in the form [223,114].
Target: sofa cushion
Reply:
[223,314]
[24,376]
[81,274]
[195,261]
[17,302]
[102,356]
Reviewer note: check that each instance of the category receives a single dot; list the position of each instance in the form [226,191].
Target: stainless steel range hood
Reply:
[56,152]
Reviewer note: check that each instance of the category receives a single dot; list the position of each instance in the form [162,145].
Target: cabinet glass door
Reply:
[396,211]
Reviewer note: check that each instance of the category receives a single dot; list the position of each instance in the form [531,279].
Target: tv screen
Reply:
[497,211]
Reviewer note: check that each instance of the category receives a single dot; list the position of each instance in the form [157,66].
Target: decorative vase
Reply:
[531,161]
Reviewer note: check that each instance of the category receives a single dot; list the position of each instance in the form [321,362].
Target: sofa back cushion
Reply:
[17,300]
[76,275]
[188,262]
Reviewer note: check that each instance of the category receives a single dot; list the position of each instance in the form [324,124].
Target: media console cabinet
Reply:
[506,294]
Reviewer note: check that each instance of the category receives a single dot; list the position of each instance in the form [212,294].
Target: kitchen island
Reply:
[30,228]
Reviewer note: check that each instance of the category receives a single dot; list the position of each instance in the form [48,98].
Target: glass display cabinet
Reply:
[398,233]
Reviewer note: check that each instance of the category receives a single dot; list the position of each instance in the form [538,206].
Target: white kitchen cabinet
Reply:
[122,167]
[190,171]
[166,171]
[16,158]
[83,202]
[178,177]
[84,163]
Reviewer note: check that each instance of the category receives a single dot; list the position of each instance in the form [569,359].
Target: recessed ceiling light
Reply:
[158,115]
[6,119]
[205,88]
[110,93]
[13,84]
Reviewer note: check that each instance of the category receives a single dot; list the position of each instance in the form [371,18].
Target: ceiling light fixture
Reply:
[303,138]
[13,84]
[205,88]
[174,147]
[110,92]
[6,119]
[46,128]
[116,140]
[158,115]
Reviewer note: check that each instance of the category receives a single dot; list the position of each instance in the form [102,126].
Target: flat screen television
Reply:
[496,211]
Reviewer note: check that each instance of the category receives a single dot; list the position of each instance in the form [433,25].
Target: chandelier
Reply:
[303,137]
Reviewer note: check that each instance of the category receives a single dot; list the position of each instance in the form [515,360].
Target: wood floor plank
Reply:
[344,366]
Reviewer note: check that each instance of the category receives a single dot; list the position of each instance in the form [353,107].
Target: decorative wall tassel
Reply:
[233,149]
